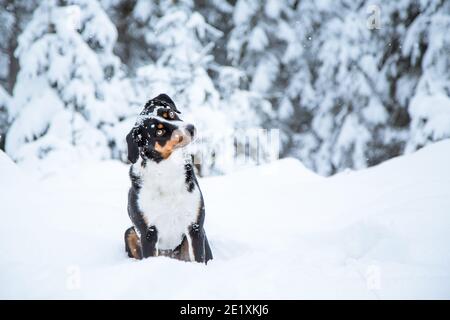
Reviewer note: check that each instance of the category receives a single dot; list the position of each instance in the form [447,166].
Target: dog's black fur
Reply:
[154,138]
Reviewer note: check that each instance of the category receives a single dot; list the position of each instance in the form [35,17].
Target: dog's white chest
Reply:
[165,202]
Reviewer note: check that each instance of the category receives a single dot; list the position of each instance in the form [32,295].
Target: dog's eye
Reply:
[171,115]
[160,132]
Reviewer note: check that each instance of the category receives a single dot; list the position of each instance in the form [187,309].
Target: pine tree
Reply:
[69,93]
[13,15]
[257,44]
[343,111]
[133,19]
[426,47]
[356,96]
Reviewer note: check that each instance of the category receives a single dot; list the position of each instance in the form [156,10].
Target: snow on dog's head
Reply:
[158,131]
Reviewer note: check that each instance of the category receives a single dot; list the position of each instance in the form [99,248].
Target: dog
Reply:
[165,203]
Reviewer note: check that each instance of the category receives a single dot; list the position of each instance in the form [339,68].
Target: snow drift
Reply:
[277,231]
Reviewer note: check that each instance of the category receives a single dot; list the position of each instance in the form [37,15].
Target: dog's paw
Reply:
[195,227]
[151,233]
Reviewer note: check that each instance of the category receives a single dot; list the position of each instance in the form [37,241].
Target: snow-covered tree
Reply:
[340,89]
[13,16]
[344,113]
[132,19]
[69,93]
[426,46]
[257,44]
[355,95]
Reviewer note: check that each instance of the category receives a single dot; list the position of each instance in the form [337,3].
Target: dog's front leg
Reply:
[197,242]
[149,242]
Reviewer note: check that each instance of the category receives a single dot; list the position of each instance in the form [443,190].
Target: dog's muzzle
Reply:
[183,136]
[191,130]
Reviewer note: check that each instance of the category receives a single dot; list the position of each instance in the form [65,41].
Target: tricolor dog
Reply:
[165,203]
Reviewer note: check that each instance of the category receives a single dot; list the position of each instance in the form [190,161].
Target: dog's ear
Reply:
[133,150]
[165,98]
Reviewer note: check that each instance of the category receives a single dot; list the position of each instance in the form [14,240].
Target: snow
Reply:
[277,231]
[244,10]
[258,40]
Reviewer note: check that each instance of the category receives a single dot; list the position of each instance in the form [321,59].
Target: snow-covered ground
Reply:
[277,231]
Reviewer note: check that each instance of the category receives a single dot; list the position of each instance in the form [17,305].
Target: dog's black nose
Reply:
[191,129]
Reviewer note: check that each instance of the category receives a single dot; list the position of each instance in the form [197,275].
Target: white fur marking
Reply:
[190,248]
[164,200]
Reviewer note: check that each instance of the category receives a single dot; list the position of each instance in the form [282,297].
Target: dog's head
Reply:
[158,131]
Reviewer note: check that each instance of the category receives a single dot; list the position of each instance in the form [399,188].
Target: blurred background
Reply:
[348,83]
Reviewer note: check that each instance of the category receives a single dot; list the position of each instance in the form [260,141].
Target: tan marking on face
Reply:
[160,126]
[165,115]
[167,149]
[177,140]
